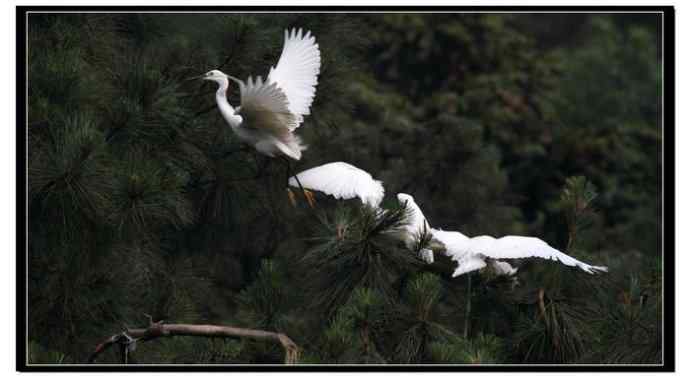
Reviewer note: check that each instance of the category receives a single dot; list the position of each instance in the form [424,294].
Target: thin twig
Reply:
[468,307]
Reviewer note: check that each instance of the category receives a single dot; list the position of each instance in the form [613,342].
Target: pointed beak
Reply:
[200,77]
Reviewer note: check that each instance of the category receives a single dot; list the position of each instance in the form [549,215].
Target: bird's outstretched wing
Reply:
[514,247]
[296,72]
[456,245]
[471,252]
[265,107]
[342,180]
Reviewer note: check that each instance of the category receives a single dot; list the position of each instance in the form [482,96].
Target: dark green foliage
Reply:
[143,202]
[355,250]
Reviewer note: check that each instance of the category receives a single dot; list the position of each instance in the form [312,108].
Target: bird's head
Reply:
[215,75]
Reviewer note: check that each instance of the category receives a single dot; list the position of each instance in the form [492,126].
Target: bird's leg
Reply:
[307,194]
[468,306]
[291,195]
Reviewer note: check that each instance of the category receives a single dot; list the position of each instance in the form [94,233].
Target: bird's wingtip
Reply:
[596,269]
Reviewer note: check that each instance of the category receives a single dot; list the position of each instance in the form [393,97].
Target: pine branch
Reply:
[159,330]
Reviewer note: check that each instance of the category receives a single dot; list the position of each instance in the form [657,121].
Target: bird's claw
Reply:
[310,198]
[291,196]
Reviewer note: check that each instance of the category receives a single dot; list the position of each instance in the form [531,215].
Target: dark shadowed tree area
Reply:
[142,202]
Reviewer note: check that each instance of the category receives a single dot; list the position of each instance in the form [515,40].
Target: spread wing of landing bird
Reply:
[342,181]
[472,253]
[272,109]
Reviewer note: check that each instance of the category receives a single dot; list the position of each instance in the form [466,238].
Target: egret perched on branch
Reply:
[416,226]
[344,181]
[272,109]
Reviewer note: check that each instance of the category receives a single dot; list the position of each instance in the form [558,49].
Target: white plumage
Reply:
[343,181]
[470,253]
[271,110]
[416,225]
[297,70]
[503,268]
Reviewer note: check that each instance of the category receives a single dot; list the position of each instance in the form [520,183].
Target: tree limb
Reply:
[159,330]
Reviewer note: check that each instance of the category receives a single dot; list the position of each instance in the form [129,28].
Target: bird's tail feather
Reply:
[292,147]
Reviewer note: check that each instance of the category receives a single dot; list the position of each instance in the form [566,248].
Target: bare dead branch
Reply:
[159,330]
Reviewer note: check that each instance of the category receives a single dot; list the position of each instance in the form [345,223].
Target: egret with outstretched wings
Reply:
[472,253]
[272,109]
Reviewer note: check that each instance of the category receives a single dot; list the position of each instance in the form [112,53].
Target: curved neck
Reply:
[226,109]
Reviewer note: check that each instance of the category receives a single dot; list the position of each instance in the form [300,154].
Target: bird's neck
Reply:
[226,109]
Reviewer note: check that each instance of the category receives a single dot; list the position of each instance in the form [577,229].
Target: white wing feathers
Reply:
[343,181]
[455,244]
[467,251]
[416,220]
[265,106]
[279,103]
[297,71]
[514,247]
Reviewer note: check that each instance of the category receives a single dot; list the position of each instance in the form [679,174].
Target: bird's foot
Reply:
[291,197]
[310,198]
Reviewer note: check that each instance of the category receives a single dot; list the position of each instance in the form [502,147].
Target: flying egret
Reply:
[472,253]
[271,110]
[342,181]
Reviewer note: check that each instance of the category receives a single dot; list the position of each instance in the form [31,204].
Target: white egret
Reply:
[472,253]
[271,110]
[342,181]
[345,181]
[416,226]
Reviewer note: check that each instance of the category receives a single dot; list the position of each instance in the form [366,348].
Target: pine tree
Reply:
[143,203]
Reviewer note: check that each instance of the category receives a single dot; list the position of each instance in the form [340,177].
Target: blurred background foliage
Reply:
[140,201]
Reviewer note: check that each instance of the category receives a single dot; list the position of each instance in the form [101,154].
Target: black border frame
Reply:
[668,188]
